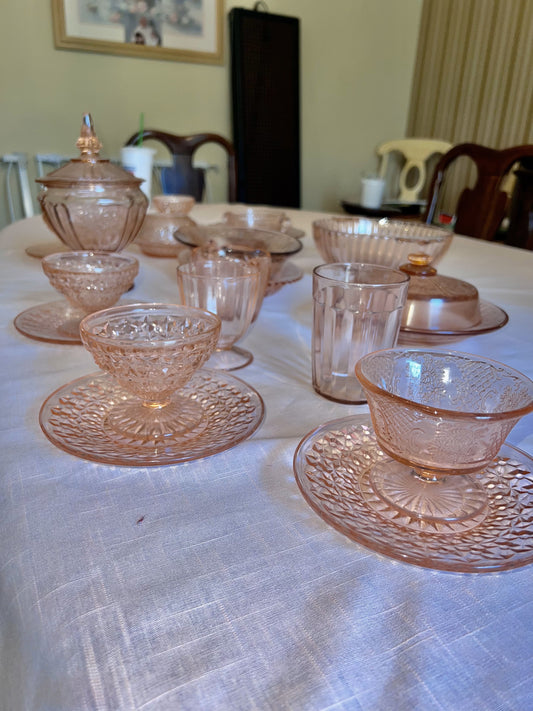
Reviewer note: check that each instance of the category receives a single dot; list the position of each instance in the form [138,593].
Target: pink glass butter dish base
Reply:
[492,318]
[55,322]
[76,419]
[333,469]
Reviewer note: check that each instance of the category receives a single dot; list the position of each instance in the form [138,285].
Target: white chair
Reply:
[46,162]
[414,153]
[23,200]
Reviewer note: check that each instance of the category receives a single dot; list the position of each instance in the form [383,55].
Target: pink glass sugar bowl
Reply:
[91,204]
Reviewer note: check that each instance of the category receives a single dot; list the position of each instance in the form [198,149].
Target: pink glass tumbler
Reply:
[357,309]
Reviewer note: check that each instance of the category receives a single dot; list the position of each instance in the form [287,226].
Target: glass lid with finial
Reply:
[437,302]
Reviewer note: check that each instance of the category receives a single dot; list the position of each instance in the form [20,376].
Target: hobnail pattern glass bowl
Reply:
[378,241]
[441,416]
[152,350]
[91,281]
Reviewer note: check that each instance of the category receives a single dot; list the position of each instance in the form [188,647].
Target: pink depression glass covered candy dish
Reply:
[90,203]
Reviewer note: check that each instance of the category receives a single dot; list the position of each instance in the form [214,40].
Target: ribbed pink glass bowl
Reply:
[152,350]
[91,281]
[372,241]
[441,417]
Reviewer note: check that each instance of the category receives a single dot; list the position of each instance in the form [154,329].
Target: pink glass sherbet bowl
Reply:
[91,281]
[442,412]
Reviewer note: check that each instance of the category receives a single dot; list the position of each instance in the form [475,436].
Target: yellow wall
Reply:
[357,60]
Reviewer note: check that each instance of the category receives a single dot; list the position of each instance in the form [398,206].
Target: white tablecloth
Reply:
[231,593]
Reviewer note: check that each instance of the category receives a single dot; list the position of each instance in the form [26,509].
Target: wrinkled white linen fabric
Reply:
[212,584]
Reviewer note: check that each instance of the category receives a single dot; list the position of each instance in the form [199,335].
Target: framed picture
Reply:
[178,30]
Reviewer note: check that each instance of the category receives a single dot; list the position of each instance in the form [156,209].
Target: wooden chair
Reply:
[481,209]
[415,153]
[183,176]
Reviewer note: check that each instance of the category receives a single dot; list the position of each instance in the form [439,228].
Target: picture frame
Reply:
[175,30]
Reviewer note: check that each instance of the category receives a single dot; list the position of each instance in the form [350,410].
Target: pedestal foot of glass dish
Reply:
[155,421]
[229,359]
[425,495]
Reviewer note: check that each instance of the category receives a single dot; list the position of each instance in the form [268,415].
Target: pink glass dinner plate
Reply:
[332,466]
[74,419]
[289,273]
[492,318]
[55,322]
[43,249]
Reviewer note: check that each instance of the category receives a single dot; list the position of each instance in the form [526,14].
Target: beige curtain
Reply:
[474,77]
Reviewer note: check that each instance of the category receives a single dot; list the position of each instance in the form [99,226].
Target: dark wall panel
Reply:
[265,77]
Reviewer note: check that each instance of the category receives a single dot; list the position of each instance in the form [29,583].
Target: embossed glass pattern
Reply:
[440,416]
[152,350]
[333,467]
[91,281]
[76,419]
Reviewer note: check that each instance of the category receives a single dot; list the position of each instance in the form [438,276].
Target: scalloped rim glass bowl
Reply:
[442,417]
[378,241]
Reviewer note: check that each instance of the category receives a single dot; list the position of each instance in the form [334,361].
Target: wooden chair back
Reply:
[183,149]
[480,209]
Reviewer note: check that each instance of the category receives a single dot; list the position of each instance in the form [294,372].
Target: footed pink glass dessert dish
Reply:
[90,281]
[152,351]
[333,468]
[441,417]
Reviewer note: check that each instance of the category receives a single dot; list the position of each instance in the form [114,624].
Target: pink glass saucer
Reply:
[43,249]
[74,419]
[332,466]
[288,274]
[55,322]
[492,318]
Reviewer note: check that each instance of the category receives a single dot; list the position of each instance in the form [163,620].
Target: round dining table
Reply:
[212,583]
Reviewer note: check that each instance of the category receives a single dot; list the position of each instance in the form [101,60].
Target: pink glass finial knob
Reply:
[88,142]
